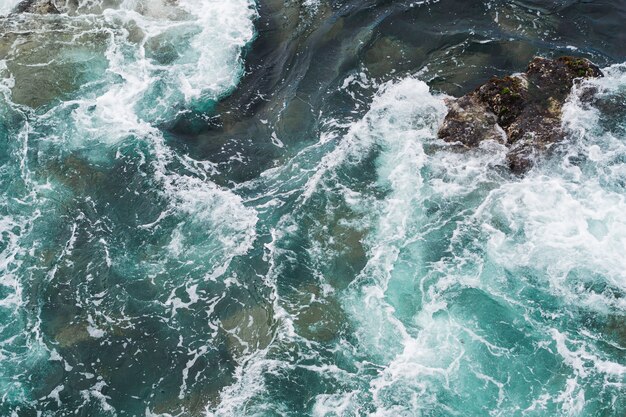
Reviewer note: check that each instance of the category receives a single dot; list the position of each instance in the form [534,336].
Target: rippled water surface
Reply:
[238,208]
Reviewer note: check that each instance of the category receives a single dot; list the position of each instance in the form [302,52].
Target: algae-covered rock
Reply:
[37,7]
[522,111]
[470,121]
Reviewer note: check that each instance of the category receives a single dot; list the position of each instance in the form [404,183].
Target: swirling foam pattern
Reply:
[316,251]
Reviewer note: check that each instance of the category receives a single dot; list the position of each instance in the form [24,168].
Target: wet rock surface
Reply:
[522,111]
[37,7]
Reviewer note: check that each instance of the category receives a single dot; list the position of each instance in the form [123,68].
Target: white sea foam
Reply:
[401,119]
[566,225]
[227,27]
[6,6]
[568,222]
[122,110]
[125,106]
[562,225]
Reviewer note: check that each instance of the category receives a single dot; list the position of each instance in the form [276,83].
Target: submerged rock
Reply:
[522,111]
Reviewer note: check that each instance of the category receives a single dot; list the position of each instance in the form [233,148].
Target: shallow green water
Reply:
[152,266]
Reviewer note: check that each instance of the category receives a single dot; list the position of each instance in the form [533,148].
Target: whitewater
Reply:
[179,239]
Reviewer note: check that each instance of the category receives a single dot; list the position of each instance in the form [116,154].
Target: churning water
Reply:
[228,208]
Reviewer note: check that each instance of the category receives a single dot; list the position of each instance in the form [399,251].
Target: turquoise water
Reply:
[359,268]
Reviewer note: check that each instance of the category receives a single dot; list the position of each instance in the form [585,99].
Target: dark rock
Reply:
[470,121]
[522,111]
[37,7]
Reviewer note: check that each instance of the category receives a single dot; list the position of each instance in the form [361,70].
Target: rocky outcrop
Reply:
[37,7]
[522,111]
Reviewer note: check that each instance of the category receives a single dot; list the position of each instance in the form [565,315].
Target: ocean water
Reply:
[238,208]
